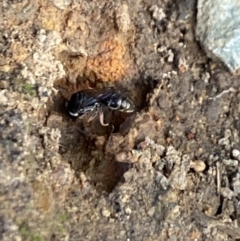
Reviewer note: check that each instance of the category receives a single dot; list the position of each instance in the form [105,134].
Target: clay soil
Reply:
[168,171]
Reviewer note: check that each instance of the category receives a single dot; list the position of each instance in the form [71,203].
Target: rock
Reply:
[236,154]
[236,184]
[157,13]
[123,19]
[62,4]
[198,166]
[106,213]
[178,177]
[3,97]
[4,84]
[41,36]
[227,193]
[53,39]
[230,162]
[218,30]
[151,211]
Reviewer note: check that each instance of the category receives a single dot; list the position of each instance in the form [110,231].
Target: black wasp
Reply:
[93,100]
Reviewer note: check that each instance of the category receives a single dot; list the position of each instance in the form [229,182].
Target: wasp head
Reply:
[74,106]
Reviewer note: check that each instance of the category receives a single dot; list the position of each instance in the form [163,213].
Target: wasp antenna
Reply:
[101,118]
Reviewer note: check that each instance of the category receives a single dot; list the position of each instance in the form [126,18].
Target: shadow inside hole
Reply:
[79,146]
[107,174]
[58,105]
[143,86]
[79,137]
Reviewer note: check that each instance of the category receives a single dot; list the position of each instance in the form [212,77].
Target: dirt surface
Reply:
[168,171]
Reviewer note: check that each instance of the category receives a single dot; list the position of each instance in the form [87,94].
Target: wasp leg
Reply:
[101,117]
[93,116]
[96,108]
[83,115]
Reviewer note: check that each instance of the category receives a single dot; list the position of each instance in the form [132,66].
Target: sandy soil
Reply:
[168,171]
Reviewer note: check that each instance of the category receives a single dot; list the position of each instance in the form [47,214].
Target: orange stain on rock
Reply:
[110,63]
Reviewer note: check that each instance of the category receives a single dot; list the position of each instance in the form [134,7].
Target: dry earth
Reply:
[169,171]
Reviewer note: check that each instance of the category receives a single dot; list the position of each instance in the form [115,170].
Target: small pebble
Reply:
[62,4]
[230,162]
[35,103]
[36,56]
[105,212]
[3,97]
[128,210]
[227,193]
[151,211]
[42,35]
[123,19]
[4,84]
[121,156]
[198,166]
[236,183]
[100,140]
[53,39]
[157,13]
[236,154]
[223,141]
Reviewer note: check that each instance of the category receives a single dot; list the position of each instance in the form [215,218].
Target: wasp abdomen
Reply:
[121,103]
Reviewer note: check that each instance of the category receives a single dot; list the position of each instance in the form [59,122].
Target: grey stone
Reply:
[218,30]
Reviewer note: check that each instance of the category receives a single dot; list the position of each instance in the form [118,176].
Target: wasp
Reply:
[93,100]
